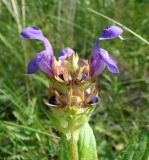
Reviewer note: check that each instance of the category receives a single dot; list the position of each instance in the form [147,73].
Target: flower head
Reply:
[71,87]
[71,73]
[46,62]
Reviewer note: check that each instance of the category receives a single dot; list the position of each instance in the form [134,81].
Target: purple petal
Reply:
[32,33]
[102,59]
[36,33]
[83,76]
[32,66]
[111,32]
[112,66]
[65,52]
[44,62]
[98,65]
[52,100]
[108,33]
[99,60]
[94,99]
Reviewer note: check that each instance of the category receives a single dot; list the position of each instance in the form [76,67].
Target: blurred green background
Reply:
[26,132]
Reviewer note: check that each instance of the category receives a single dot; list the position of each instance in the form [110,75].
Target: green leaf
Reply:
[87,144]
[137,149]
[64,148]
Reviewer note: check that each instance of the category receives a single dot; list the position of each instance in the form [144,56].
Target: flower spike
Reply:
[73,93]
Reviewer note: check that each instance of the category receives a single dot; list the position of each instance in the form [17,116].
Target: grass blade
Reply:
[121,25]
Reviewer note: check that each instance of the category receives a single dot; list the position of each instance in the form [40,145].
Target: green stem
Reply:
[73,148]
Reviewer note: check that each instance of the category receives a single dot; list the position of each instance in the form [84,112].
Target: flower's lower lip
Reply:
[52,100]
[62,77]
[83,76]
[94,100]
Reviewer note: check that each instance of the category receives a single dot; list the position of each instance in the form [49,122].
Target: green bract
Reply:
[68,120]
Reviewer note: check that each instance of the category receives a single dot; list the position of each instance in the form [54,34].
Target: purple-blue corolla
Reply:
[100,58]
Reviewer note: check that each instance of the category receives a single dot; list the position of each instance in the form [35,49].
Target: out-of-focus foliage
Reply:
[25,127]
[137,149]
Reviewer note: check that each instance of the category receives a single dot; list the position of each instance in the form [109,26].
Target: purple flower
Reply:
[44,59]
[94,100]
[100,57]
[36,33]
[65,52]
[53,101]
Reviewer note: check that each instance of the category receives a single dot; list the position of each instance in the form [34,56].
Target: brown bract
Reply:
[72,84]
